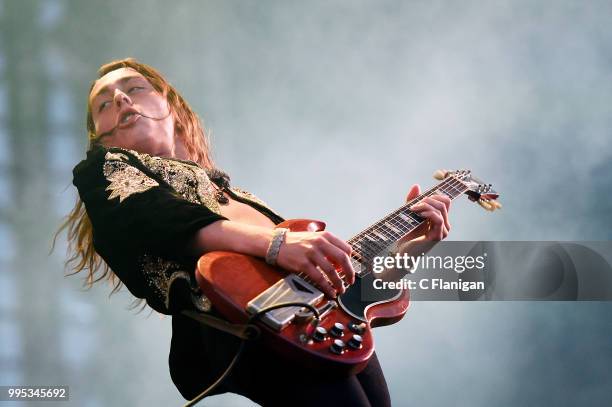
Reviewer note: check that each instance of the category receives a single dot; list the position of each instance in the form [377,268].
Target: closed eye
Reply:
[130,90]
[103,105]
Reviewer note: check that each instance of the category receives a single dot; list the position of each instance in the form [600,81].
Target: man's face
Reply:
[117,101]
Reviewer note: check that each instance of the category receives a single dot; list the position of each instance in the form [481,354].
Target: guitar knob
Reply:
[355,328]
[337,347]
[355,342]
[320,334]
[337,330]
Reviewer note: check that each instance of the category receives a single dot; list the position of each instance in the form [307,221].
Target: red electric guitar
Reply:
[240,286]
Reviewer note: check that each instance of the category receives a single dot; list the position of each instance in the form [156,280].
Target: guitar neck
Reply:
[400,222]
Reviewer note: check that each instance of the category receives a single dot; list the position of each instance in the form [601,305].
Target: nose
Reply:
[119,97]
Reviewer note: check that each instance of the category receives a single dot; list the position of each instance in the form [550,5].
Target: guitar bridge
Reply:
[290,289]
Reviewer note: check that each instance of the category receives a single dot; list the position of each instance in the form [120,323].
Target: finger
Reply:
[340,258]
[328,268]
[435,204]
[318,279]
[336,241]
[414,191]
[347,268]
[444,199]
[441,206]
[437,230]
[447,203]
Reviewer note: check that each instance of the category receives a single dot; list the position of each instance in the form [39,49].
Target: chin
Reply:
[143,143]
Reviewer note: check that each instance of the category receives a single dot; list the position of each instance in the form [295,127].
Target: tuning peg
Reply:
[495,204]
[489,205]
[440,174]
[486,205]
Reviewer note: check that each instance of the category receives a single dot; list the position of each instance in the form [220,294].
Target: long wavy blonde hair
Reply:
[82,255]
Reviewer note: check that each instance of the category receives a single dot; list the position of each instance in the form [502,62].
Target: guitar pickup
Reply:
[292,288]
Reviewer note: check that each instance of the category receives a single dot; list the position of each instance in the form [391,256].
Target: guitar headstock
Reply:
[477,190]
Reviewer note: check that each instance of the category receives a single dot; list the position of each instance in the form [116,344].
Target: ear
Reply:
[415,191]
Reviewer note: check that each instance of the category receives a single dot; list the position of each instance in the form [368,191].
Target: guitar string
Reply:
[413,224]
[355,256]
[456,186]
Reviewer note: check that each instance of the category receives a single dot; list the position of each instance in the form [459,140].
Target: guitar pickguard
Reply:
[352,301]
[289,289]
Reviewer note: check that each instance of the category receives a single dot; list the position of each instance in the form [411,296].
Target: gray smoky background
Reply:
[326,110]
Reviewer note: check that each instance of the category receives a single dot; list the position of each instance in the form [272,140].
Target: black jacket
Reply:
[143,211]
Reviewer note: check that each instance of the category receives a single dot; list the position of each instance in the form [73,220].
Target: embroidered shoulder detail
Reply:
[115,156]
[187,178]
[201,302]
[125,180]
[249,196]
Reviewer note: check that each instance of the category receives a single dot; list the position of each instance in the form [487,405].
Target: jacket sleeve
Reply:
[141,225]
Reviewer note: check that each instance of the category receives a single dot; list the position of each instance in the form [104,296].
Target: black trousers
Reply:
[200,354]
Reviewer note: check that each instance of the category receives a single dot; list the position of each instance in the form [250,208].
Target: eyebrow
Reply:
[122,81]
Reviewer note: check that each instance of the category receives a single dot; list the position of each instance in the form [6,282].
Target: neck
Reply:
[180,151]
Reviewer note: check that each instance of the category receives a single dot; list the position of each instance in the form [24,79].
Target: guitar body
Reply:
[231,281]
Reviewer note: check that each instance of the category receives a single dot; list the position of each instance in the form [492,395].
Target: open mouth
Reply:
[127,119]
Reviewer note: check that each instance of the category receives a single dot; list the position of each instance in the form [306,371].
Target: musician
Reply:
[152,202]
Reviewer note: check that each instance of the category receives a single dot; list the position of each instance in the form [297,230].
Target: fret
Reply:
[371,242]
[404,216]
[402,227]
[448,194]
[386,230]
[368,252]
[405,224]
[398,227]
[457,189]
[454,191]
[415,217]
[381,236]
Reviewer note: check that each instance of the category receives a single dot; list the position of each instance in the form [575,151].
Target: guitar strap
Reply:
[242,331]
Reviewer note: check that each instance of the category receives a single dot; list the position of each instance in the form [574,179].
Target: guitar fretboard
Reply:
[396,225]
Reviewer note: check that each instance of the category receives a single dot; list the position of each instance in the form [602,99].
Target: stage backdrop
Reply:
[326,110]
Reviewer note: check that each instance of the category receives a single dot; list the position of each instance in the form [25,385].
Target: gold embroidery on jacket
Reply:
[248,196]
[189,180]
[160,274]
[206,190]
[116,156]
[125,180]
[251,197]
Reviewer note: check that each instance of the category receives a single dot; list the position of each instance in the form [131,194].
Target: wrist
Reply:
[278,238]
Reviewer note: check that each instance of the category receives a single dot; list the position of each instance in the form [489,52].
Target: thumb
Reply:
[415,191]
